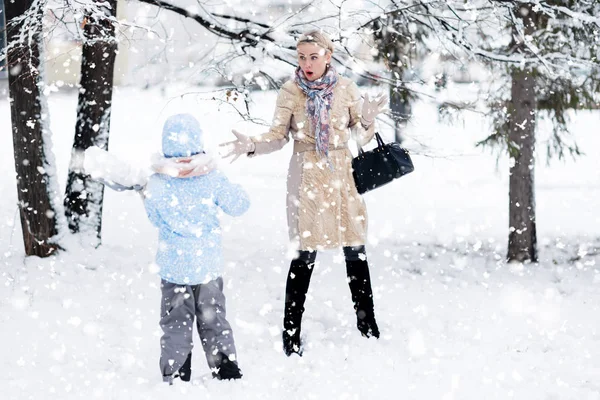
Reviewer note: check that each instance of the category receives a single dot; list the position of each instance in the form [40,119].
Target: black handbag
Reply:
[377,167]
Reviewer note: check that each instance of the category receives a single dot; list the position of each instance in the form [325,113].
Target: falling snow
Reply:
[457,321]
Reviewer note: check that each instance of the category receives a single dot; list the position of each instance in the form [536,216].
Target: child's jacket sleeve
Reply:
[231,198]
[152,210]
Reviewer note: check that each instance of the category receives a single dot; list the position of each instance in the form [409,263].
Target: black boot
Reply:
[296,287]
[291,343]
[359,281]
[227,369]
[184,373]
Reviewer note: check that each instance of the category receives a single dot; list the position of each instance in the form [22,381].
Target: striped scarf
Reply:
[318,105]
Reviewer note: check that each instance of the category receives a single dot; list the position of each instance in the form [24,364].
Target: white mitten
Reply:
[112,171]
[372,107]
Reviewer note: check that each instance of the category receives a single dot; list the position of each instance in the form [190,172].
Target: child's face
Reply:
[313,60]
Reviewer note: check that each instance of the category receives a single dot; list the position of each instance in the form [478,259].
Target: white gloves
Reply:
[372,107]
[242,145]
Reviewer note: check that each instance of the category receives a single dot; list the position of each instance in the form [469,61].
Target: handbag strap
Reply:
[379,143]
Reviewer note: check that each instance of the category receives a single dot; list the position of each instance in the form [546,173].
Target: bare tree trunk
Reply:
[399,104]
[396,109]
[38,216]
[522,238]
[84,197]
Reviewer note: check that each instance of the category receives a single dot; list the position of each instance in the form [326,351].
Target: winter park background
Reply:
[457,320]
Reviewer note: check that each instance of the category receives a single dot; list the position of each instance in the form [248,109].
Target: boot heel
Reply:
[291,343]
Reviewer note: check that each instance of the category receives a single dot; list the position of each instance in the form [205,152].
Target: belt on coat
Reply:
[302,147]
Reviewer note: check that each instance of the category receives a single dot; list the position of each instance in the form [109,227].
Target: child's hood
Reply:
[182,136]
[183,149]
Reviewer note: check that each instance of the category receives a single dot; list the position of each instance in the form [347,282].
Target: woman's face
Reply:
[313,60]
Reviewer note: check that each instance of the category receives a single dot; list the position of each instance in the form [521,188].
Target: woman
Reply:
[320,109]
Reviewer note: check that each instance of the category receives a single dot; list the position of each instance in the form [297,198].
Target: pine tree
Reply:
[399,40]
[553,68]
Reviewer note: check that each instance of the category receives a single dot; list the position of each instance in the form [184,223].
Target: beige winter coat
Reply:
[324,209]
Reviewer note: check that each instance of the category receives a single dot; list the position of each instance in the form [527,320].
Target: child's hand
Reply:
[142,193]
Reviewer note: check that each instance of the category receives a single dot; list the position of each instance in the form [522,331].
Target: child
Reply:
[182,199]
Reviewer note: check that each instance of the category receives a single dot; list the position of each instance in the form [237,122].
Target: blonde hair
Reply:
[317,37]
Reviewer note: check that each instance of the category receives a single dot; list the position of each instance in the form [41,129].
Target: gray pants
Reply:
[180,304]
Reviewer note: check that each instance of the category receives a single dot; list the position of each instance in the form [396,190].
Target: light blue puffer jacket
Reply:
[186,210]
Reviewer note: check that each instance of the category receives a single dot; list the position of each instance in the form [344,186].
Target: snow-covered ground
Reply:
[456,321]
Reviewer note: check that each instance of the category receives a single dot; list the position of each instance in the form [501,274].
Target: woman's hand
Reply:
[372,107]
[242,145]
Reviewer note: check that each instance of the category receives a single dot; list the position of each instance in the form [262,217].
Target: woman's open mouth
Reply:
[308,73]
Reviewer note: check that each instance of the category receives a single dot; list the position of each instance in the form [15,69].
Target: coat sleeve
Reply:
[159,210]
[151,203]
[278,134]
[231,198]
[358,131]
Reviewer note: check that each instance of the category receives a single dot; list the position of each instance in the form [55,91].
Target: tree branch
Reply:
[244,35]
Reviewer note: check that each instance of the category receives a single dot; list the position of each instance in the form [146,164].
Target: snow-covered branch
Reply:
[250,36]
